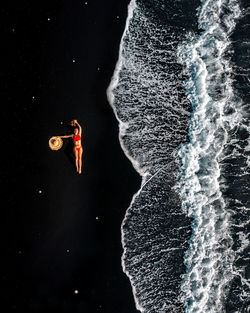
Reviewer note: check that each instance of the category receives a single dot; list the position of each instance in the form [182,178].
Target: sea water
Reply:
[178,92]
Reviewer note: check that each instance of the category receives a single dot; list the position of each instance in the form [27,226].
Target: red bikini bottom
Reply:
[78,148]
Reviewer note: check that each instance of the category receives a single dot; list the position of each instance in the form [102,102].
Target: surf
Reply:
[209,259]
[149,102]
[173,96]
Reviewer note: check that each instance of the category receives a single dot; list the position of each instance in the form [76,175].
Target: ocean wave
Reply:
[184,233]
[217,114]
[149,101]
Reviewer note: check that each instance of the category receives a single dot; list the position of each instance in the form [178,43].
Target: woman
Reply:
[77,136]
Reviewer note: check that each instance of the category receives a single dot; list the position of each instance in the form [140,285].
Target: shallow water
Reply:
[184,126]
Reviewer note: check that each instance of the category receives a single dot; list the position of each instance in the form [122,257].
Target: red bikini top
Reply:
[76,138]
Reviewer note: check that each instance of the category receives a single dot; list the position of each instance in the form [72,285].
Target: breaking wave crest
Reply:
[218,114]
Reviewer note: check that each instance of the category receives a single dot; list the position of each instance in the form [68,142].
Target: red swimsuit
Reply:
[77,138]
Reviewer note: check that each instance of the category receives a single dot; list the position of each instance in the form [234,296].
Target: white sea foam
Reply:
[209,259]
[148,99]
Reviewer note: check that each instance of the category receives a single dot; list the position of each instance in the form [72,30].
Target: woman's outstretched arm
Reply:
[66,136]
[80,128]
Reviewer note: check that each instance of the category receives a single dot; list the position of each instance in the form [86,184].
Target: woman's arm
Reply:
[80,128]
[66,136]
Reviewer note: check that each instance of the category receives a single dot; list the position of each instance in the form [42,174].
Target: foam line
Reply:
[209,260]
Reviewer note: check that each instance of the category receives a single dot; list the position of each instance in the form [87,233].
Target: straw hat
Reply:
[55,143]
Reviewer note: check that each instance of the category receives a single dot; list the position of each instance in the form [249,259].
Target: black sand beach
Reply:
[61,244]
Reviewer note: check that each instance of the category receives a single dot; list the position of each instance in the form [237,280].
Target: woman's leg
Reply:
[80,160]
[76,158]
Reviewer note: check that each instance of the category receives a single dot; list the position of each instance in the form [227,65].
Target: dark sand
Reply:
[52,243]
